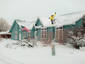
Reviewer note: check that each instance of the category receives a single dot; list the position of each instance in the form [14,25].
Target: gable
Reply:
[79,23]
[13,25]
[38,23]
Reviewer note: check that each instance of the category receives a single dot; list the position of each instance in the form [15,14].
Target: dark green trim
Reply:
[38,22]
[77,24]
[12,26]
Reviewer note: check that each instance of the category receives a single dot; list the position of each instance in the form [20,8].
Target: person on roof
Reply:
[52,18]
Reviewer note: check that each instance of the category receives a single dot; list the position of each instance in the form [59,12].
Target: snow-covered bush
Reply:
[76,38]
[24,43]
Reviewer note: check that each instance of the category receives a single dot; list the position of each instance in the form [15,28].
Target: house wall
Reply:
[32,33]
[44,35]
[24,35]
[14,30]
[65,34]
[79,23]
[71,27]
[59,37]
[52,31]
[36,32]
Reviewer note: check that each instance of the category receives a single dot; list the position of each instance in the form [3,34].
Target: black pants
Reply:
[52,21]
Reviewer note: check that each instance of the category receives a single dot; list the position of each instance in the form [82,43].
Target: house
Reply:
[44,29]
[69,22]
[41,29]
[19,30]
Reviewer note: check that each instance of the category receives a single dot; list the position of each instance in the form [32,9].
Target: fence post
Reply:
[53,49]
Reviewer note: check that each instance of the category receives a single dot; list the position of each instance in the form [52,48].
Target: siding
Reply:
[24,35]
[51,31]
[79,23]
[38,34]
[32,34]
[14,29]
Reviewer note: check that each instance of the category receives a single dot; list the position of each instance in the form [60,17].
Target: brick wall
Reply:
[59,36]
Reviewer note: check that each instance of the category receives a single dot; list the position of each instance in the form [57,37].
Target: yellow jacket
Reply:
[52,17]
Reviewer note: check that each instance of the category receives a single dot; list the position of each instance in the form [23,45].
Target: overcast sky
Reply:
[23,9]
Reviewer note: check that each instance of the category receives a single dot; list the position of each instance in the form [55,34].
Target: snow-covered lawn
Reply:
[39,54]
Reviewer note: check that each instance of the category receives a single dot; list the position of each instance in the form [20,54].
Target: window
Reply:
[24,34]
[44,33]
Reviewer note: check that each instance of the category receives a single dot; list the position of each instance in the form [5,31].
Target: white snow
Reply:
[27,24]
[4,32]
[40,55]
[69,18]
[45,21]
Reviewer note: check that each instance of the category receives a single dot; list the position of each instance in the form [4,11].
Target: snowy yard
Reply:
[39,54]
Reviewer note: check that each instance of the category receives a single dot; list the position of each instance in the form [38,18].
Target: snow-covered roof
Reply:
[70,18]
[65,19]
[4,33]
[45,21]
[61,20]
[27,24]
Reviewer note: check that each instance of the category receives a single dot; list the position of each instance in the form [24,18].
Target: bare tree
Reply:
[4,26]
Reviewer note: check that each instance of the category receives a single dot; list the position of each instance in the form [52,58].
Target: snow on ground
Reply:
[39,55]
